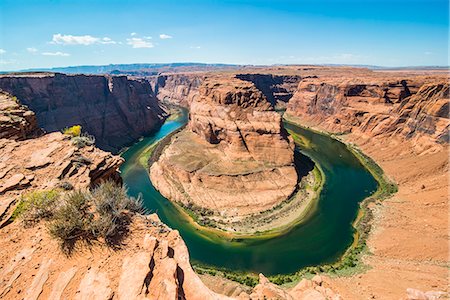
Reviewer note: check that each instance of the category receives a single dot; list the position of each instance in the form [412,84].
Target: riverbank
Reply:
[351,261]
[407,245]
[276,221]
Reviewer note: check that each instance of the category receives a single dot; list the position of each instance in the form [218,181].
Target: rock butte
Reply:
[234,158]
[400,118]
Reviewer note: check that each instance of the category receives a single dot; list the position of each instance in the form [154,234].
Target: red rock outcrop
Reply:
[412,109]
[179,89]
[16,121]
[278,89]
[46,161]
[153,264]
[233,158]
[114,109]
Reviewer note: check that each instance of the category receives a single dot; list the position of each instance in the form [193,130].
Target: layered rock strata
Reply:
[233,158]
[16,121]
[114,109]
[411,109]
[278,89]
[47,161]
[152,264]
[179,89]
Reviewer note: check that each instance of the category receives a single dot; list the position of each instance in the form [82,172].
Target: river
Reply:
[322,238]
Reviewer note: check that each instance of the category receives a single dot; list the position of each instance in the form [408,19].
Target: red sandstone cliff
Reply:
[179,89]
[410,109]
[116,110]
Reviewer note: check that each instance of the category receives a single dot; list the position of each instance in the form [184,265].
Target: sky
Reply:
[58,33]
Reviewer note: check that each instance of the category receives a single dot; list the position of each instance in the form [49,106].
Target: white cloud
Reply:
[428,53]
[55,54]
[140,43]
[107,40]
[133,33]
[165,36]
[32,50]
[2,51]
[67,39]
[195,47]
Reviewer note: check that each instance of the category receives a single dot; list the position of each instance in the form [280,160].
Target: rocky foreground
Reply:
[234,159]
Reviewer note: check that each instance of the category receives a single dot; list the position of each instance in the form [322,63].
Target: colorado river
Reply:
[322,238]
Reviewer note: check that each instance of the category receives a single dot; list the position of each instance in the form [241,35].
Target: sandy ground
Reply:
[409,241]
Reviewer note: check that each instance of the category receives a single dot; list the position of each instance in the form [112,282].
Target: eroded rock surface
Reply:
[47,162]
[115,109]
[234,157]
[179,89]
[413,109]
[16,121]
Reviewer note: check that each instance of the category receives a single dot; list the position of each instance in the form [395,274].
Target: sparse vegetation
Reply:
[72,221]
[67,186]
[79,139]
[248,279]
[113,209]
[73,131]
[83,140]
[104,212]
[36,206]
[81,215]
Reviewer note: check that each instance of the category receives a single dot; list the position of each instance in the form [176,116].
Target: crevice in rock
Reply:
[149,276]
[180,279]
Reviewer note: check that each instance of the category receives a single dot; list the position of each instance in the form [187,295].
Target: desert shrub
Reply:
[72,220]
[104,212]
[36,205]
[113,210]
[67,186]
[73,131]
[83,140]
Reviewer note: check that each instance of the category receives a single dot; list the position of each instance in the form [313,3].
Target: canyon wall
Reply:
[179,89]
[116,110]
[278,89]
[182,88]
[411,109]
[233,158]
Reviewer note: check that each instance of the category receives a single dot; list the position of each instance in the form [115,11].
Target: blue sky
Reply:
[49,33]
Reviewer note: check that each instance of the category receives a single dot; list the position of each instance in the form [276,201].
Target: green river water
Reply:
[321,238]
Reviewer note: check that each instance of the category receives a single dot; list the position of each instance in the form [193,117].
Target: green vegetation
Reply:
[248,279]
[104,212]
[82,215]
[386,187]
[79,139]
[350,262]
[144,157]
[36,206]
[73,131]
[83,140]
